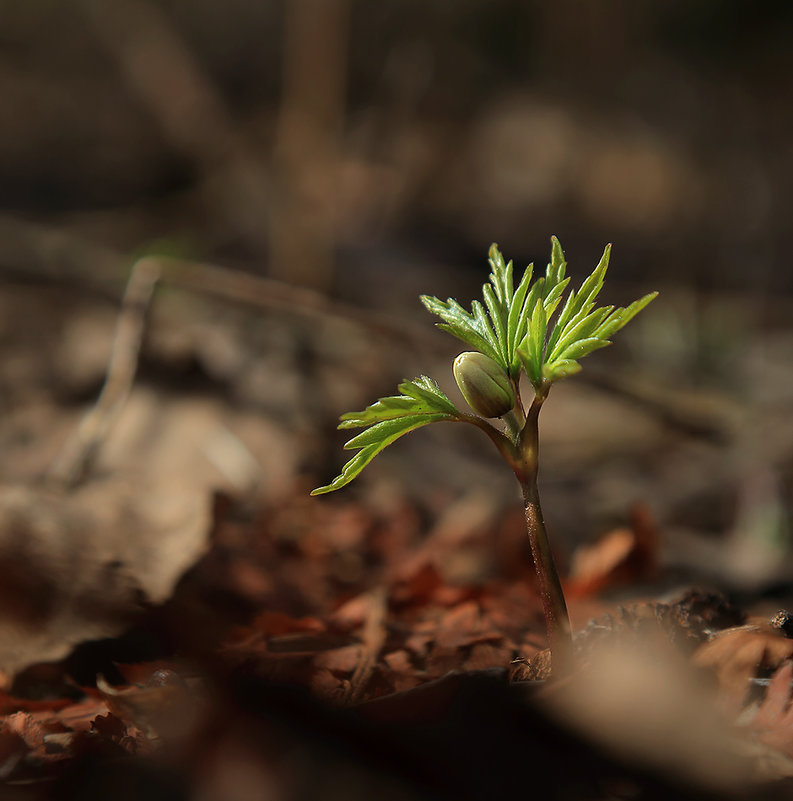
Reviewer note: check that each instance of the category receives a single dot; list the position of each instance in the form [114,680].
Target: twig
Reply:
[35,251]
[373,639]
[80,450]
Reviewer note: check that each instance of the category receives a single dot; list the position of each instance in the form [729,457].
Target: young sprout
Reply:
[517,330]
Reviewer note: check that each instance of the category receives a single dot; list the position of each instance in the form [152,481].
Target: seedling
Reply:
[515,331]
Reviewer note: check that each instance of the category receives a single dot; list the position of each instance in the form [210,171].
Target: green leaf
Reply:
[561,369]
[501,277]
[553,297]
[554,273]
[533,345]
[484,327]
[471,329]
[529,305]
[497,332]
[424,388]
[578,305]
[421,402]
[499,318]
[516,321]
[583,325]
[621,317]
[592,285]
[584,347]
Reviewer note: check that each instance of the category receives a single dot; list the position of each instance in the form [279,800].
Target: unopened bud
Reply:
[484,384]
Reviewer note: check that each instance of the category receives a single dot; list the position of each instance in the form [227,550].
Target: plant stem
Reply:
[557,620]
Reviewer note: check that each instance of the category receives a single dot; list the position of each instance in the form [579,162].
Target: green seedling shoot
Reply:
[519,329]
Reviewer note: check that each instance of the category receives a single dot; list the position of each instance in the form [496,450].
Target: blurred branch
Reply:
[162,72]
[80,451]
[306,155]
[31,251]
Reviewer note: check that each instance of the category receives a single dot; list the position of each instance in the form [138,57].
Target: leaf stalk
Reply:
[557,619]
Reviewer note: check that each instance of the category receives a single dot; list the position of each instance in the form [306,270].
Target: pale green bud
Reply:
[484,384]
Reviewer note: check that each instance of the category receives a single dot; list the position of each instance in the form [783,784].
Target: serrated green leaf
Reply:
[594,283]
[515,330]
[508,293]
[579,304]
[383,409]
[562,320]
[387,431]
[424,388]
[464,326]
[621,317]
[349,471]
[472,338]
[421,403]
[582,326]
[498,317]
[584,347]
[501,277]
[556,269]
[483,326]
[554,296]
[534,344]
[561,369]
[531,302]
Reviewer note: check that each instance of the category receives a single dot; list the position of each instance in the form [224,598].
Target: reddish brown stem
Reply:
[557,620]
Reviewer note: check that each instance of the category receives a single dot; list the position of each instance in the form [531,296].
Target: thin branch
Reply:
[372,641]
[81,449]
[499,439]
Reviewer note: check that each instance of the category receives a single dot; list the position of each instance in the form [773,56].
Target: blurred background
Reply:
[311,166]
[310,140]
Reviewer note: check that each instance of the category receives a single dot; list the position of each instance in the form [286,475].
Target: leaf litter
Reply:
[300,646]
[646,670]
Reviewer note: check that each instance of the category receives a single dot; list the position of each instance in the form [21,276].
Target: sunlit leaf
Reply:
[421,403]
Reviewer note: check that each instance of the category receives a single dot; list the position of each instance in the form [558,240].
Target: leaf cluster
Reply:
[514,328]
[514,325]
[421,402]
[498,327]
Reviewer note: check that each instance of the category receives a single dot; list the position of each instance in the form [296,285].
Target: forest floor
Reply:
[178,618]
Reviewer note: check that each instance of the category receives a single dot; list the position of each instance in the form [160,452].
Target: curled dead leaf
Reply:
[741,653]
[163,707]
[621,556]
[773,720]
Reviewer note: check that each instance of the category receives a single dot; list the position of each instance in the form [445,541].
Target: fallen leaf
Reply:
[13,749]
[772,722]
[622,556]
[488,655]
[77,566]
[739,654]
[276,623]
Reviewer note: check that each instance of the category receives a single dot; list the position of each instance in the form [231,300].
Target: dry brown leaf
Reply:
[339,660]
[403,672]
[76,566]
[13,749]
[164,706]
[773,721]
[622,556]
[277,623]
[738,654]
[489,655]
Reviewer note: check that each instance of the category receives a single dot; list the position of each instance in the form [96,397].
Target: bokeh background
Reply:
[355,154]
[304,140]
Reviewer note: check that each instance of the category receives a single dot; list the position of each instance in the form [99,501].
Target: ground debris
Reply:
[693,619]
